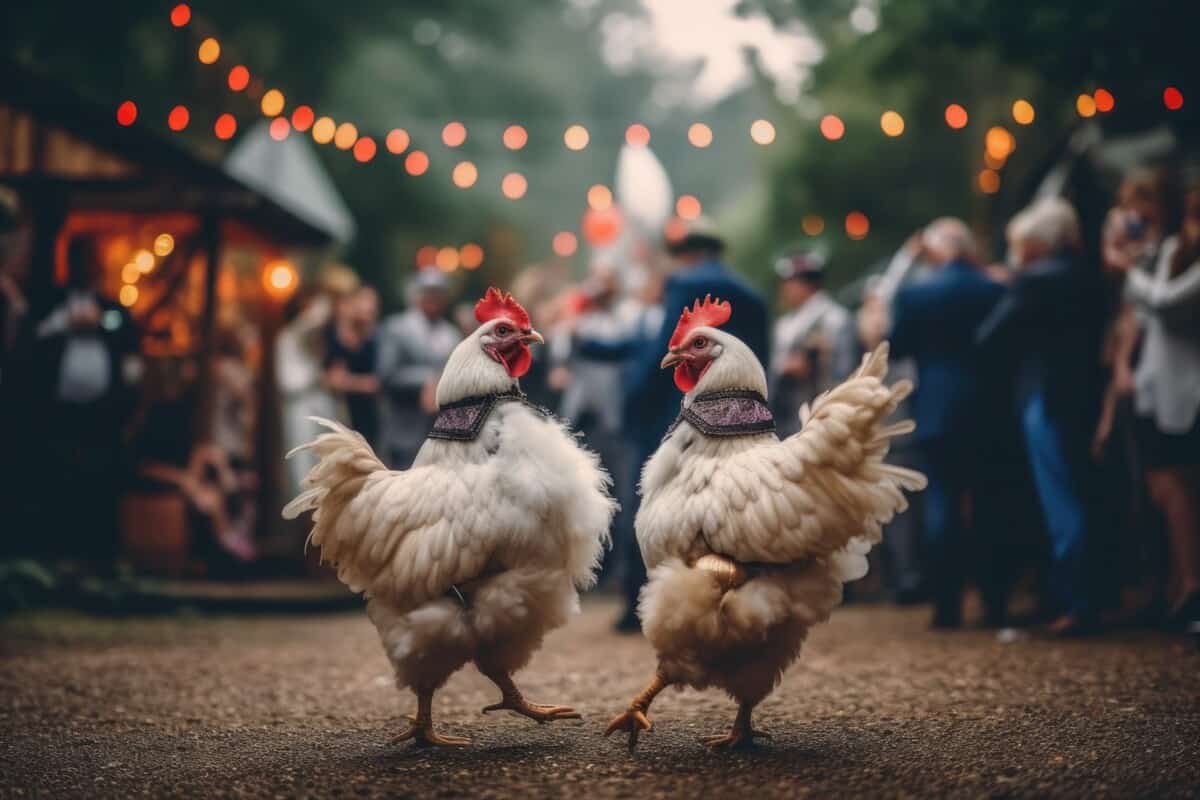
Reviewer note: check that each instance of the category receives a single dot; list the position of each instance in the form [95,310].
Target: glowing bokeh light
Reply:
[999,143]
[144,261]
[700,135]
[323,130]
[1022,112]
[992,162]
[891,123]
[447,259]
[1104,100]
[601,227]
[857,225]
[454,134]
[989,181]
[637,135]
[599,197]
[177,120]
[688,206]
[164,244]
[181,15]
[345,136]
[812,224]
[514,137]
[279,128]
[127,113]
[364,149]
[470,256]
[302,118]
[209,51]
[272,103]
[426,256]
[762,131]
[464,175]
[564,244]
[225,126]
[956,116]
[675,229]
[576,137]
[397,141]
[239,78]
[1085,105]
[416,163]
[280,278]
[130,273]
[513,186]
[832,127]
[1172,98]
[128,295]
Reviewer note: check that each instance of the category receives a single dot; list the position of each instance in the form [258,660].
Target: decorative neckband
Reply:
[463,419]
[730,412]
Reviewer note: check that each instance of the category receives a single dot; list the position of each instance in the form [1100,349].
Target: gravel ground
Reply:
[304,705]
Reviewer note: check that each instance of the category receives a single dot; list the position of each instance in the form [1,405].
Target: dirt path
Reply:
[878,706]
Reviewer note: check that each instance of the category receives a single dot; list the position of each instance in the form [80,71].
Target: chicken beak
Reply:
[532,336]
[670,359]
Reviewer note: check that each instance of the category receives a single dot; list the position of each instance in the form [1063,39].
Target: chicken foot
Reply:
[511,699]
[421,731]
[634,719]
[742,734]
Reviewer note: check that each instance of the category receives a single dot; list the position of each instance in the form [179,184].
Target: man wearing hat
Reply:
[802,343]
[413,347]
[651,399]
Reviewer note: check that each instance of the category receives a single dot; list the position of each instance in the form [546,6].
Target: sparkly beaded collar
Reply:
[463,419]
[730,412]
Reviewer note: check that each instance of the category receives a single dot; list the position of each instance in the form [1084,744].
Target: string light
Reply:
[687,207]
[832,127]
[470,256]
[323,130]
[564,244]
[127,113]
[209,51]
[1085,105]
[130,273]
[514,137]
[989,181]
[513,186]
[447,259]
[397,141]
[280,278]
[144,261]
[999,143]
[181,15]
[599,197]
[225,126]
[416,163]
[1104,100]
[812,224]
[762,132]
[700,135]
[364,149]
[302,118]
[164,243]
[464,175]
[1172,98]
[637,135]
[857,225]
[1022,112]
[128,295]
[279,128]
[426,256]
[239,78]
[675,229]
[345,136]
[956,116]
[992,162]
[576,137]
[892,123]
[454,134]
[272,103]
[177,120]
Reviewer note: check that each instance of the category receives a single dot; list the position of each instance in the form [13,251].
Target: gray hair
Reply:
[1052,222]
[950,238]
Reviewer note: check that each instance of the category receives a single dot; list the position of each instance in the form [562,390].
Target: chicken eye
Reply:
[700,343]
[502,330]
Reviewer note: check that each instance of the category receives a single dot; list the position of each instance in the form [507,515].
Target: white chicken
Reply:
[479,549]
[749,539]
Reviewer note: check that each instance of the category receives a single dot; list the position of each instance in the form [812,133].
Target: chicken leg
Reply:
[421,731]
[511,699]
[634,719]
[742,734]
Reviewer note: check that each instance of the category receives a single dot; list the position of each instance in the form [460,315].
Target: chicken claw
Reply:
[423,735]
[634,720]
[535,711]
[735,738]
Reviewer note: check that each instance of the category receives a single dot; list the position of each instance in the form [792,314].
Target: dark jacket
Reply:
[934,321]
[651,396]
[1050,326]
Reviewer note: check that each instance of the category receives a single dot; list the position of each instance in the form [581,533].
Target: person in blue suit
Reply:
[934,321]
[651,399]
[1051,325]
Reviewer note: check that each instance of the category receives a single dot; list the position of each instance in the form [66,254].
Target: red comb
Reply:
[713,313]
[496,303]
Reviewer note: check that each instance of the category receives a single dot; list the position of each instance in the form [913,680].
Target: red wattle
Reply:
[521,364]
[686,377]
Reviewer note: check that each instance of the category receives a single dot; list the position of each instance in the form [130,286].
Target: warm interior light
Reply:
[700,135]
[128,295]
[454,134]
[164,243]
[1085,105]
[416,163]
[177,120]
[345,136]
[397,141]
[1104,100]
[515,137]
[280,278]
[364,149]
[892,123]
[832,127]
[857,225]
[272,103]
[181,15]
[279,128]
[127,113]
[144,260]
[302,118]
[239,78]
[470,256]
[956,116]
[465,174]
[599,197]
[564,244]
[323,130]
[762,131]
[687,206]
[209,51]
[447,259]
[1022,112]
[637,135]
[576,137]
[225,126]
[513,186]
[999,143]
